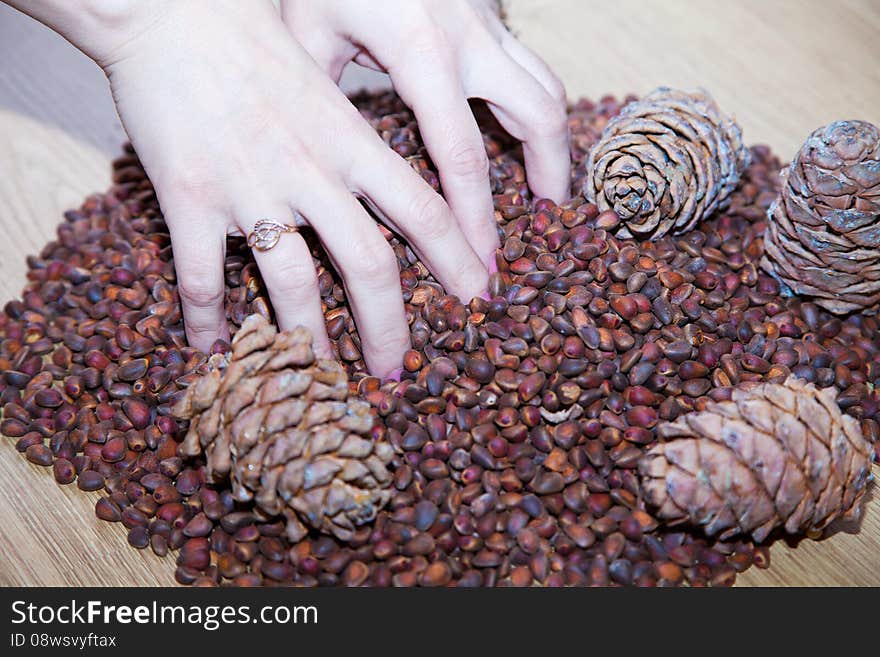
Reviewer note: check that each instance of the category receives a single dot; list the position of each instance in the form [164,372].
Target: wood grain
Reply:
[784,67]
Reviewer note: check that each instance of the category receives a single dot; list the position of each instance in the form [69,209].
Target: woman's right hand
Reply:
[234,122]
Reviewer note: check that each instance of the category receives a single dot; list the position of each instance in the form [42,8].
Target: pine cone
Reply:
[823,233]
[285,428]
[665,162]
[775,455]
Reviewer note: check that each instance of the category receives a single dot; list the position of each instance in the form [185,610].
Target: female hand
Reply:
[234,123]
[439,53]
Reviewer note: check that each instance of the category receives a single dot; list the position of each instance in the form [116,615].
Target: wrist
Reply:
[96,27]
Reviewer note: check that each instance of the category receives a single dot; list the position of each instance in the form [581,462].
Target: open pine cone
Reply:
[823,233]
[665,162]
[284,426]
[775,455]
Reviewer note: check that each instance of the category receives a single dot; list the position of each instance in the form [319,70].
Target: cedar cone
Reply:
[775,455]
[823,233]
[665,162]
[285,428]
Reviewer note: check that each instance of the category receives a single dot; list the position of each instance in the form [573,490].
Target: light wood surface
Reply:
[784,67]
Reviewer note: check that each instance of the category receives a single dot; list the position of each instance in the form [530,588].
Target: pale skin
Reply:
[234,110]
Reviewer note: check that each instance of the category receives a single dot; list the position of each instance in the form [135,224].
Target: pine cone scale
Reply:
[286,430]
[828,215]
[775,455]
[664,163]
[745,496]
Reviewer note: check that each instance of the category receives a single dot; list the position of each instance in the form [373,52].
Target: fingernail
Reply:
[394,375]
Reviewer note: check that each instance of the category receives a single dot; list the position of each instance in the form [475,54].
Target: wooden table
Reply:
[784,67]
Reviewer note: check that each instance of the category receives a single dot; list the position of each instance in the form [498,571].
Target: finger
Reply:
[330,51]
[289,274]
[368,268]
[455,144]
[409,205]
[199,254]
[365,59]
[531,62]
[522,54]
[528,112]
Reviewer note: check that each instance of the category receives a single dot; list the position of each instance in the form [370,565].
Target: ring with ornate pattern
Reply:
[266,234]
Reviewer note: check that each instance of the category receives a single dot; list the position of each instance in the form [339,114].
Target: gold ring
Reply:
[266,234]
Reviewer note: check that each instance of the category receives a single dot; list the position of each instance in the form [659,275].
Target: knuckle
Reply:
[200,290]
[294,278]
[430,46]
[197,329]
[468,159]
[374,263]
[464,272]
[549,118]
[293,151]
[429,217]
[394,341]
[190,185]
[557,91]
